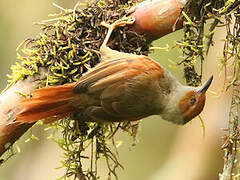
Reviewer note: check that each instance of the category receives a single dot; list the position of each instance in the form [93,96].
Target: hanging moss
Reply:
[198,38]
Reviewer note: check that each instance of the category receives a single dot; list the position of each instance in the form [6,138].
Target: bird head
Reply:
[187,103]
[192,103]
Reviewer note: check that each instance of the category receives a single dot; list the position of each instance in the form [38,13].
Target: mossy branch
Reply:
[69,45]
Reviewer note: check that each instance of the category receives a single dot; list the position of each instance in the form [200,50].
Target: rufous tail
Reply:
[49,103]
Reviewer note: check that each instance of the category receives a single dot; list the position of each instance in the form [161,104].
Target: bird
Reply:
[122,87]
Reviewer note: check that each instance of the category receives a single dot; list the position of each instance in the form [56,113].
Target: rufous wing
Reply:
[116,70]
[110,81]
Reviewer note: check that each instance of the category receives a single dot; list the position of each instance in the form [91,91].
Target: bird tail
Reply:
[49,103]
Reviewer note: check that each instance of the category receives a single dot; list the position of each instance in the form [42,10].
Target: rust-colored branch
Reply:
[9,101]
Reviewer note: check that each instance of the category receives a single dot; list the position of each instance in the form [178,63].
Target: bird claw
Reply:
[106,25]
[121,22]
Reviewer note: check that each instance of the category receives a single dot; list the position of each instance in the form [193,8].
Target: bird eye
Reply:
[193,100]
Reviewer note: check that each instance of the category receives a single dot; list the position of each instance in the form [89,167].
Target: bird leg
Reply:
[104,50]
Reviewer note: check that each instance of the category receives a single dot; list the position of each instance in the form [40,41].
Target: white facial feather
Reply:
[170,102]
[171,111]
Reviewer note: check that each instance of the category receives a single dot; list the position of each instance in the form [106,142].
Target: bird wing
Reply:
[114,71]
[113,83]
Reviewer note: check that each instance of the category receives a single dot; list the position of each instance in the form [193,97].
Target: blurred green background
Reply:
[164,152]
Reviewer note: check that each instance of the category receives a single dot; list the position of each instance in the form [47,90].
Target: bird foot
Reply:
[121,22]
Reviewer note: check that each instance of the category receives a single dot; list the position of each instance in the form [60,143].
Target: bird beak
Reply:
[206,85]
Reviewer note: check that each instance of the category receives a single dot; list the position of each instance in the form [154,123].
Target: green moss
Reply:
[69,43]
